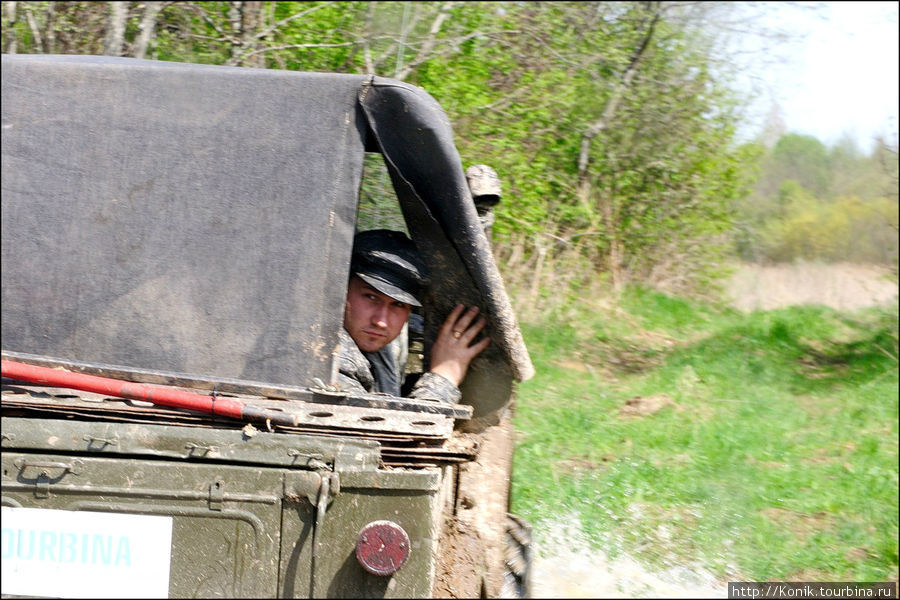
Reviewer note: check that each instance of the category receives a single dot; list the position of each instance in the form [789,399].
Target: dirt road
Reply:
[842,286]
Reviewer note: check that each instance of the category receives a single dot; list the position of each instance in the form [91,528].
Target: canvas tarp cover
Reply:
[186,218]
[199,219]
[441,217]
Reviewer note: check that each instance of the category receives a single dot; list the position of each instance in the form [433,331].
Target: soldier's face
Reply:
[371,318]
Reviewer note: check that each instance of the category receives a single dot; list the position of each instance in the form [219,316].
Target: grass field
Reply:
[762,446]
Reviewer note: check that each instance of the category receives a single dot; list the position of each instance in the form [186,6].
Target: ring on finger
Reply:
[457,334]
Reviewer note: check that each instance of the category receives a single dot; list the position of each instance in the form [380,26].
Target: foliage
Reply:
[816,203]
[611,124]
[685,433]
[844,227]
[610,132]
[804,159]
[670,176]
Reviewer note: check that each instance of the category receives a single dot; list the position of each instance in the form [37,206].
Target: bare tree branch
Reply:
[224,36]
[613,103]
[285,21]
[390,50]
[428,45]
[296,46]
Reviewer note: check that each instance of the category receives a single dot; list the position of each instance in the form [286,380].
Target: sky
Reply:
[837,74]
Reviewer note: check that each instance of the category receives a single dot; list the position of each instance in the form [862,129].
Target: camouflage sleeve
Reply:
[349,383]
[432,386]
[354,372]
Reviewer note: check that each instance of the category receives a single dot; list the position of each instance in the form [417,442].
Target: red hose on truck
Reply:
[157,394]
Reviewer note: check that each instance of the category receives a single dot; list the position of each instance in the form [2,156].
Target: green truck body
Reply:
[190,227]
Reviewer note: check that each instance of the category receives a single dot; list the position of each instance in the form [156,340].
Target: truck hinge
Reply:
[311,485]
[217,494]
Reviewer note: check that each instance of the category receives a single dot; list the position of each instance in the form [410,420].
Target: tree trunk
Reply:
[245,19]
[35,30]
[148,29]
[538,271]
[12,40]
[251,19]
[50,34]
[114,42]
[584,186]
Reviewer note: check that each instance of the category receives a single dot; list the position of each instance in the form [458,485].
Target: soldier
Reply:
[387,278]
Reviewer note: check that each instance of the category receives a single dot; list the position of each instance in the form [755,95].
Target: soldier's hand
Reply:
[455,346]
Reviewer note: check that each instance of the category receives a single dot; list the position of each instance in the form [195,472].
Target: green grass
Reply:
[774,455]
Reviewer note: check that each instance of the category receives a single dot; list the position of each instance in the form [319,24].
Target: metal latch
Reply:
[320,488]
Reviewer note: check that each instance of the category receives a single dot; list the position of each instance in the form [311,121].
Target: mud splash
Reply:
[565,566]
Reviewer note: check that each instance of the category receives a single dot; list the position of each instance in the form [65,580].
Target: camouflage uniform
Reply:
[380,371]
[389,262]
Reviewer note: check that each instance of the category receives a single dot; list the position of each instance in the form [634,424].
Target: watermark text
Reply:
[811,589]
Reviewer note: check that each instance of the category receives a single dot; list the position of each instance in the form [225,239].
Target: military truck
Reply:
[176,243]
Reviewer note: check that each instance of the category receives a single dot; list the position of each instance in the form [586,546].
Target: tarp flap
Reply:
[186,218]
[415,136]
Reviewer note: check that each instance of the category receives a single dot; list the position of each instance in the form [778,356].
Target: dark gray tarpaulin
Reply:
[429,180]
[198,219]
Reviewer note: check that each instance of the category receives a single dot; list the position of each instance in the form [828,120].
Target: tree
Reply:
[147,29]
[608,121]
[804,159]
[114,42]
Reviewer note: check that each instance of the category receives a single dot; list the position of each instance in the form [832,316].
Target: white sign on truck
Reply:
[76,554]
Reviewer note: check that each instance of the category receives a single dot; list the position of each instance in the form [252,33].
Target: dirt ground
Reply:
[565,566]
[842,286]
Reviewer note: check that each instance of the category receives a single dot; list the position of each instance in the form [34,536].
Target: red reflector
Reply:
[382,547]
